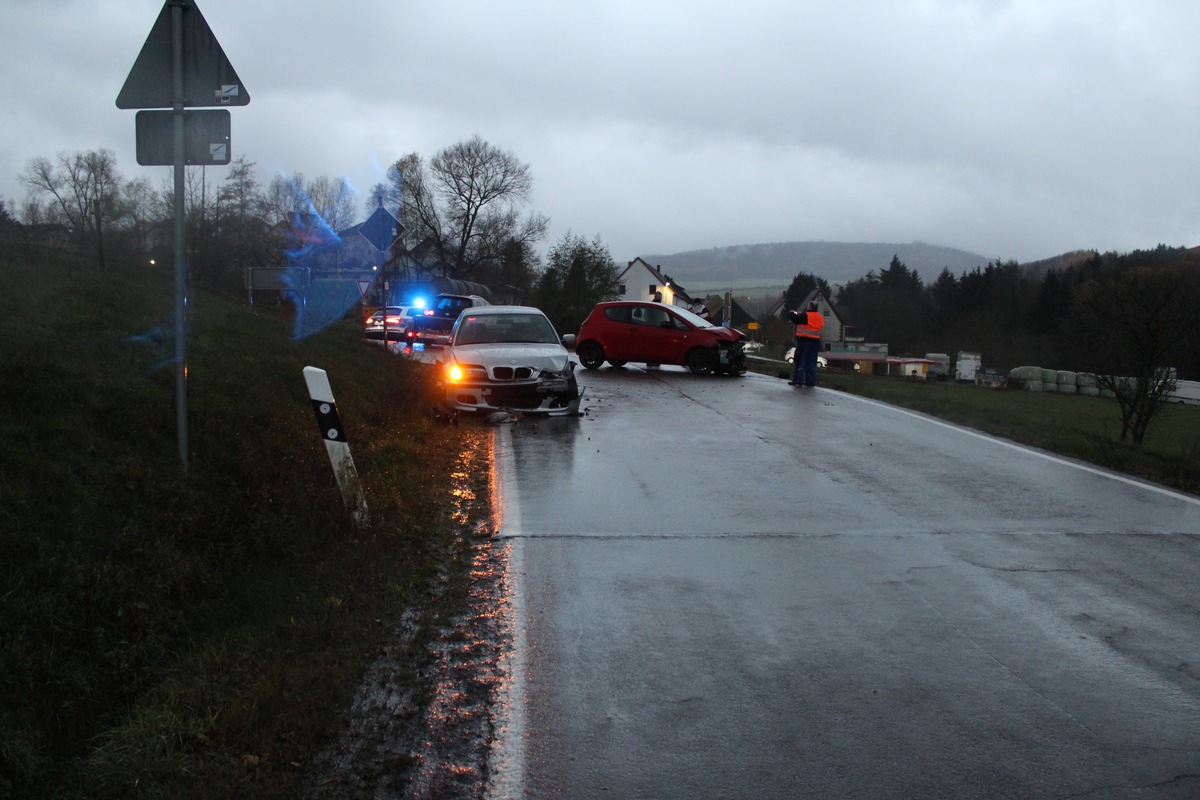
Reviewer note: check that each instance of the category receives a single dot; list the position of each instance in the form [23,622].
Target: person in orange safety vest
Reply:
[808,343]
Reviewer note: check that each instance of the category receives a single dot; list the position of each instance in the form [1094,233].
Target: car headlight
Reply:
[458,373]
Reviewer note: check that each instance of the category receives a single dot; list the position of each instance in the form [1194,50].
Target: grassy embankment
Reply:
[172,637]
[1082,428]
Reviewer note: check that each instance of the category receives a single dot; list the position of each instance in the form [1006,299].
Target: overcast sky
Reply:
[1018,129]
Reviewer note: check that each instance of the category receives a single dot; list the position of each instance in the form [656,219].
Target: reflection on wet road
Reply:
[731,587]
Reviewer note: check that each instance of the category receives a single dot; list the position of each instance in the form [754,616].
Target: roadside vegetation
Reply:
[163,636]
[1083,428]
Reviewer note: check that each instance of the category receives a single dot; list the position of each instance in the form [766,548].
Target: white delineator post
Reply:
[335,442]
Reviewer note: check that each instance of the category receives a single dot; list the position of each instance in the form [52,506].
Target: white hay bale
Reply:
[1029,373]
[1067,378]
[1034,386]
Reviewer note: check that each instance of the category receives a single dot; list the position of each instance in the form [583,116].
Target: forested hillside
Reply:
[1110,312]
[836,262]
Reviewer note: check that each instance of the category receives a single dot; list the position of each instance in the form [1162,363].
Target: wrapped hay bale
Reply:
[1029,373]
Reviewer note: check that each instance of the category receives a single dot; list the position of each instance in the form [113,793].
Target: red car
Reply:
[653,333]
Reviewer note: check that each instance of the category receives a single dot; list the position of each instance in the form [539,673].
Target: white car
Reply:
[509,358]
[398,319]
[790,357]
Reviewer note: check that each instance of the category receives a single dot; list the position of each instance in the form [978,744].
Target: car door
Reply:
[652,332]
[667,337]
[619,339]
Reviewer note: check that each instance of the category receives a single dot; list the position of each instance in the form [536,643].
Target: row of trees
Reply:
[463,213]
[81,200]
[1132,319]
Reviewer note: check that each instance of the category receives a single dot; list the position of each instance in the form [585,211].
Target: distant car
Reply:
[822,363]
[433,324]
[398,319]
[509,358]
[752,347]
[653,333]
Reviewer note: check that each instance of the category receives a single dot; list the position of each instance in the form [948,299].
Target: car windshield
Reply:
[505,328]
[695,319]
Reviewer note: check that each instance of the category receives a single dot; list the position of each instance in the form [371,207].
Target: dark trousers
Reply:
[806,361]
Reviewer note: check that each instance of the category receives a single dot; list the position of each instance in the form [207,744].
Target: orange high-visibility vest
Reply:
[811,327]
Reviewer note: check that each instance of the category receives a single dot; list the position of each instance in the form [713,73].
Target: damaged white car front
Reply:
[509,358]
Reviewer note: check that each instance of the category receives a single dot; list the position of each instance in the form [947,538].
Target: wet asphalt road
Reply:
[735,588]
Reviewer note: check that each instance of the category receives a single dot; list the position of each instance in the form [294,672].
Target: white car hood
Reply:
[551,357]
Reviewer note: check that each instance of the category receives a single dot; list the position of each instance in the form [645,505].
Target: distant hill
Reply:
[1038,269]
[836,262]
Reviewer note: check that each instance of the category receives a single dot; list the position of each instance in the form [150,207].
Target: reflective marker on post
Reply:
[335,442]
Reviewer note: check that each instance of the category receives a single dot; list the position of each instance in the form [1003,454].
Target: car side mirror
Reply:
[568,340]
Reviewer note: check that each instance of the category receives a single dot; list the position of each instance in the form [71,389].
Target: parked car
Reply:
[509,358]
[398,319]
[433,325]
[822,362]
[622,331]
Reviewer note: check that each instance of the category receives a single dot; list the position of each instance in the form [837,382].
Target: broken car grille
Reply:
[511,373]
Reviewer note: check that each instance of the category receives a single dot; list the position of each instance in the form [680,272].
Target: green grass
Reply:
[1082,428]
[197,637]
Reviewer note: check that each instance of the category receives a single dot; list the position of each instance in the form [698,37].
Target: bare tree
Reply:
[82,190]
[1130,330]
[464,209]
[141,203]
[331,200]
[335,200]
[244,223]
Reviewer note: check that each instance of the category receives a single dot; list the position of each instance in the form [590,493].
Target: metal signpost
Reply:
[181,65]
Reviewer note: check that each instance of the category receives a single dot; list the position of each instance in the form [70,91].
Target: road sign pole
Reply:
[181,412]
[159,80]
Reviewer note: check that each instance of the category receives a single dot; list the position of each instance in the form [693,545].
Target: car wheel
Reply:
[590,355]
[701,361]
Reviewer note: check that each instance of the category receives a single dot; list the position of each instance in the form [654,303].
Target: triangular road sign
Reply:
[208,77]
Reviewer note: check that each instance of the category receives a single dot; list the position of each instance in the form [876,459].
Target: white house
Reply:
[640,281]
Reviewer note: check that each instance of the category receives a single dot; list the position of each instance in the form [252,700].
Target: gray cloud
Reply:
[1017,129]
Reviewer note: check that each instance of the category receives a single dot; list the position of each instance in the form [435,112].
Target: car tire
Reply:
[590,355]
[701,361]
